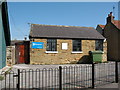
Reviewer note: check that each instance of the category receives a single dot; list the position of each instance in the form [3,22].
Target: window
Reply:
[77,45]
[99,45]
[51,44]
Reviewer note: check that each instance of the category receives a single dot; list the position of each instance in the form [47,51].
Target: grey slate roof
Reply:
[55,31]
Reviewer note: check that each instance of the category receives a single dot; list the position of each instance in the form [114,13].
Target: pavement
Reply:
[111,85]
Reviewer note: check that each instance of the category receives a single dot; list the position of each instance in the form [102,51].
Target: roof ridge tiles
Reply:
[62,25]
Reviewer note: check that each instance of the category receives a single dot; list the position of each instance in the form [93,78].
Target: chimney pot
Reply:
[110,18]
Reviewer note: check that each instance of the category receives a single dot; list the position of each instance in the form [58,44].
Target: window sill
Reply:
[77,52]
[51,51]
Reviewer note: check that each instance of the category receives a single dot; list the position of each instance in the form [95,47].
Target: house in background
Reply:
[53,44]
[111,31]
[4,33]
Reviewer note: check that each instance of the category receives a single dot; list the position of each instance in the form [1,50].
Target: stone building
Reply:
[53,44]
[111,31]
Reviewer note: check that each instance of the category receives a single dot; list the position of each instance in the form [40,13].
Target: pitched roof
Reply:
[57,31]
[102,26]
[117,23]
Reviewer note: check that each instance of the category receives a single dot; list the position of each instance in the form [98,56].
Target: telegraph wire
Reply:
[16,28]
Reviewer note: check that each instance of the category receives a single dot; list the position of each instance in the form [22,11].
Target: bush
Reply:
[1,77]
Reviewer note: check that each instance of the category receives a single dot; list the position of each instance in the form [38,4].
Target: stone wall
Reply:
[104,56]
[10,55]
[39,56]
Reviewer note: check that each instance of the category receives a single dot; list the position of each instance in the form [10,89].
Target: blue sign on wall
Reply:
[37,45]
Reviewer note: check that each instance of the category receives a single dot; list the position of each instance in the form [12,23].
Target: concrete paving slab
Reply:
[111,85]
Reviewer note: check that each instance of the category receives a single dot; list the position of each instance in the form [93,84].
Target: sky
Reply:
[87,14]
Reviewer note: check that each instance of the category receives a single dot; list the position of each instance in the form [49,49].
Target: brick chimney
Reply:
[110,18]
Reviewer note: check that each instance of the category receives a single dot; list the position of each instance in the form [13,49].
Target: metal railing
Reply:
[63,77]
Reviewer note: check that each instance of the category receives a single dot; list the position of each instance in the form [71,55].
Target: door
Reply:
[21,54]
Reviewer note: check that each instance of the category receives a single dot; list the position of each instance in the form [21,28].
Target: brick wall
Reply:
[39,56]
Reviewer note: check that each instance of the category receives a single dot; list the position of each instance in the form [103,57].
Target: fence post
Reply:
[93,75]
[60,78]
[18,84]
[116,71]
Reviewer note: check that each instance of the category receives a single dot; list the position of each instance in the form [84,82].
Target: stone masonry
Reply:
[10,55]
[39,56]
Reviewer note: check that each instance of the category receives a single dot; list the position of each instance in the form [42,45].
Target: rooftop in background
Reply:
[60,31]
[102,26]
[15,41]
[110,19]
[117,23]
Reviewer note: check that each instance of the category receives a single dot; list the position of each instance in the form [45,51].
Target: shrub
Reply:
[1,77]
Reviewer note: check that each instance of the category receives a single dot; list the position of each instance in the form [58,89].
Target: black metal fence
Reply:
[63,77]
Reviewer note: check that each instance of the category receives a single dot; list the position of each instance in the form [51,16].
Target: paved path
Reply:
[111,85]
